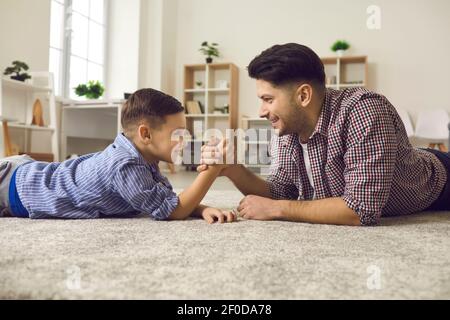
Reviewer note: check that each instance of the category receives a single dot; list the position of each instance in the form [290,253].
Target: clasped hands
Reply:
[222,153]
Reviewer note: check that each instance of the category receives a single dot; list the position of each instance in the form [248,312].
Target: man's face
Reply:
[279,107]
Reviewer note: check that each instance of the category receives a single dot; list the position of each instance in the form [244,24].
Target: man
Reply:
[341,157]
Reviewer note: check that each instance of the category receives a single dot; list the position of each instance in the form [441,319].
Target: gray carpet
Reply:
[403,258]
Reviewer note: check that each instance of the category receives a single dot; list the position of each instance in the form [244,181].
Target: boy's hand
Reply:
[212,215]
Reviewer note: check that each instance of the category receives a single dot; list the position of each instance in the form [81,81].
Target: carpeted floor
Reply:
[140,258]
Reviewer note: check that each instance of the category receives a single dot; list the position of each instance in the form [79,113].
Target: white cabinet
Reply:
[254,147]
[16,107]
[89,126]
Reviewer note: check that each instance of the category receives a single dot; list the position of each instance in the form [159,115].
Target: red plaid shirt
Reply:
[359,151]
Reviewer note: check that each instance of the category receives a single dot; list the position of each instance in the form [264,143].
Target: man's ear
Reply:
[304,94]
[145,134]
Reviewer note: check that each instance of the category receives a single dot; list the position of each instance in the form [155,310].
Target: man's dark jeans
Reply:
[443,202]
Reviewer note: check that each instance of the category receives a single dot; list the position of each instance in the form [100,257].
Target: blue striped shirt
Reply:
[115,182]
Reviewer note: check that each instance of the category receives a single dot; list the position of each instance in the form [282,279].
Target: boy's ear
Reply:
[145,134]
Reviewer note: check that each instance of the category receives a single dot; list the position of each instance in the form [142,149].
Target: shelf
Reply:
[19,85]
[212,90]
[216,115]
[93,104]
[29,126]
[349,59]
[195,90]
[219,90]
[190,115]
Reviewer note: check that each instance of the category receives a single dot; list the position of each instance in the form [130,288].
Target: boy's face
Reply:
[166,141]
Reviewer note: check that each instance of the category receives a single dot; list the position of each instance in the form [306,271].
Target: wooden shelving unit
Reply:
[16,105]
[348,72]
[219,88]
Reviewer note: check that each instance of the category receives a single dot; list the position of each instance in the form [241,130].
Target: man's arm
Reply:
[190,198]
[325,211]
[246,181]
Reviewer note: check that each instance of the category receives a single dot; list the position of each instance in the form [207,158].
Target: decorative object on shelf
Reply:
[193,107]
[339,47]
[222,110]
[330,80]
[209,50]
[92,90]
[222,84]
[199,85]
[16,70]
[37,114]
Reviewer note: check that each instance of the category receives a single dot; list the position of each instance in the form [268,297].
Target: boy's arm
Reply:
[190,198]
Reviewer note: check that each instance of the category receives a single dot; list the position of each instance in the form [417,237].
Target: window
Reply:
[77,42]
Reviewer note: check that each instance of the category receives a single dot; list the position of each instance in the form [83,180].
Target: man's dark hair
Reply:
[286,64]
[150,105]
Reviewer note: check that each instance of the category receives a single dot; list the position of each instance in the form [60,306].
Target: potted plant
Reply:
[92,90]
[198,84]
[339,47]
[16,70]
[209,50]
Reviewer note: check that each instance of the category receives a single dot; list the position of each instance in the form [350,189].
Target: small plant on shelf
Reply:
[92,90]
[209,50]
[340,46]
[16,69]
[199,84]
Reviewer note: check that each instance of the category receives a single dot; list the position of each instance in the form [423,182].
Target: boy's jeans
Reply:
[7,168]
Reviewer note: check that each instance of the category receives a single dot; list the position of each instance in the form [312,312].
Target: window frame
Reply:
[64,72]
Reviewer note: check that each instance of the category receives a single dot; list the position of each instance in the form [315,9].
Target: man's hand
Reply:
[212,215]
[259,208]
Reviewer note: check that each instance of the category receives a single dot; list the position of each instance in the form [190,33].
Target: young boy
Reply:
[122,180]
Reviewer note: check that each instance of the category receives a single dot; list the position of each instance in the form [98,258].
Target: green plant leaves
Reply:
[340,45]
[15,69]
[209,50]
[92,90]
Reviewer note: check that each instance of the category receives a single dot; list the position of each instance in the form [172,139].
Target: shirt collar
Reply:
[325,114]
[292,140]
[122,141]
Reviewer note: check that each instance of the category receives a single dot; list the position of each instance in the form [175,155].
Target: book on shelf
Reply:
[194,107]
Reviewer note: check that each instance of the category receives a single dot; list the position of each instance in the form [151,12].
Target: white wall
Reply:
[123,47]
[408,56]
[25,33]
[157,52]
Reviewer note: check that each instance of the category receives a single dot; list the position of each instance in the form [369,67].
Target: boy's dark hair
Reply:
[150,105]
[288,63]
